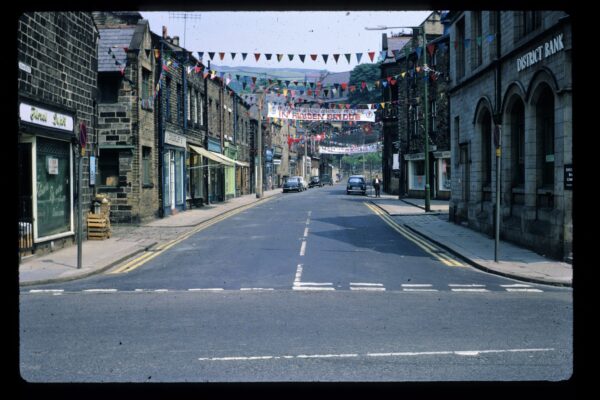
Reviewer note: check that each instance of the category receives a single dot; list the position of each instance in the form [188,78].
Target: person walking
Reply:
[377,185]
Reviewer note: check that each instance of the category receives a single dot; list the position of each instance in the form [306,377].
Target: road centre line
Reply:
[416,285]
[298,274]
[306,231]
[469,353]
[303,248]
[427,247]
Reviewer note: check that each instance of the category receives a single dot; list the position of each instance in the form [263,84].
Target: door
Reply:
[25,198]
[172,179]
[466,173]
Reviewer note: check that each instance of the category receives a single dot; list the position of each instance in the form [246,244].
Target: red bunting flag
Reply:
[221,55]
[344,85]
[389,78]
[371,55]
[431,48]
[313,57]
[257,56]
[363,84]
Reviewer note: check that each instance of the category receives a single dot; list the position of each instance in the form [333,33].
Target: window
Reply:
[486,149]
[108,164]
[188,104]
[456,139]
[201,109]
[493,30]
[168,115]
[146,90]
[545,137]
[444,174]
[460,48]
[476,39]
[518,144]
[417,175]
[146,166]
[108,86]
[526,22]
[195,106]
[433,115]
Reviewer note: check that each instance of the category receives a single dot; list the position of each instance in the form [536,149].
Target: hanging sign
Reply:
[319,114]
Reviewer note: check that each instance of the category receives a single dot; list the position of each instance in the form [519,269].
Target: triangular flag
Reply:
[302,57]
[325,57]
[211,54]
[221,55]
[233,56]
[291,57]
[206,74]
[382,55]
[371,55]
[279,57]
[403,74]
[363,84]
[430,49]
[348,55]
[156,53]
[347,106]
[382,105]
[244,56]
[336,57]
[358,57]
[478,40]
[490,38]
[396,54]
[393,81]
[384,83]
[268,56]
[344,85]
[313,57]
[389,78]
[253,79]
[467,43]
[257,56]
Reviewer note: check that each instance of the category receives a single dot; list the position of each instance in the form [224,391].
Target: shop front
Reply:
[174,175]
[45,174]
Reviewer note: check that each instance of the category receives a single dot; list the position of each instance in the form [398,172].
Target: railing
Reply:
[25,225]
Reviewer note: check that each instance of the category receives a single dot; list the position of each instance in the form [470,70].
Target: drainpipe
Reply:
[498,135]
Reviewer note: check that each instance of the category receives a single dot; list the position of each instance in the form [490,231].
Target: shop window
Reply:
[417,175]
[518,144]
[444,174]
[108,164]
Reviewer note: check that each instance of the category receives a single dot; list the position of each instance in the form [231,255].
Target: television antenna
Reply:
[185,16]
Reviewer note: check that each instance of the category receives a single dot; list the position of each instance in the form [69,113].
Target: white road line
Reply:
[307,221]
[306,231]
[416,285]
[523,290]
[468,290]
[515,285]
[298,274]
[418,290]
[368,289]
[46,291]
[205,290]
[365,284]
[470,353]
[311,288]
[100,290]
[303,248]
[465,285]
[160,290]
[256,288]
[309,213]
[314,284]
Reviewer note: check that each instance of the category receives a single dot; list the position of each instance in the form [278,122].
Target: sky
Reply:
[283,32]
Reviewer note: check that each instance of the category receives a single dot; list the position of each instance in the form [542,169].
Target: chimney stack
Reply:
[164,32]
[175,40]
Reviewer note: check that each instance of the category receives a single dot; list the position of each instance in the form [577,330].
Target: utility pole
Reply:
[259,185]
[426,116]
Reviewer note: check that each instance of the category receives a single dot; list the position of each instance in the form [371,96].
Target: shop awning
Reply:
[242,164]
[213,156]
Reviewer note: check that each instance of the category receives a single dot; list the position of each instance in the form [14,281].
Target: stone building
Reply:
[407,112]
[127,146]
[57,80]
[511,79]
[180,118]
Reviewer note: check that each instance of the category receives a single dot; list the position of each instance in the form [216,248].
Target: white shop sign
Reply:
[40,116]
[541,52]
[174,139]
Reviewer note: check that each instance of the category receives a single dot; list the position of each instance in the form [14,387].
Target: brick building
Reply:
[511,78]
[128,151]
[57,80]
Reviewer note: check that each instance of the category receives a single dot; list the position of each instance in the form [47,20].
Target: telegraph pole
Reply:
[426,116]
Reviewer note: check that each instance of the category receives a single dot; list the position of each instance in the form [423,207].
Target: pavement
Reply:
[475,248]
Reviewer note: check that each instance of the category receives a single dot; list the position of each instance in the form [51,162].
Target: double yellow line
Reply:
[149,255]
[426,246]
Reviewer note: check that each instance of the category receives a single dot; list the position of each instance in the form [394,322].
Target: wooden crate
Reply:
[98,226]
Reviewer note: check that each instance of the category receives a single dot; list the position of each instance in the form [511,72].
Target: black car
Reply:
[293,183]
[357,183]
[326,180]
[314,181]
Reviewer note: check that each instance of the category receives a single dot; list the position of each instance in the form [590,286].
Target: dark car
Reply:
[357,183]
[326,180]
[314,181]
[293,183]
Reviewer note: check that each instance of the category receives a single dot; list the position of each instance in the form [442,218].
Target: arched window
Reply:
[545,137]
[517,133]
[486,149]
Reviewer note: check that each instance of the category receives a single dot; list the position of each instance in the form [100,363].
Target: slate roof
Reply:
[114,40]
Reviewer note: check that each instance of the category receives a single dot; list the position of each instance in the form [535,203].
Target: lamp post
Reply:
[425,107]
[259,172]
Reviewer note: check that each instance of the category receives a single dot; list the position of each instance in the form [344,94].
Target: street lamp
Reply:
[259,172]
[426,105]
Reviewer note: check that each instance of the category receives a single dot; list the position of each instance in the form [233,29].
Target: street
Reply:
[310,286]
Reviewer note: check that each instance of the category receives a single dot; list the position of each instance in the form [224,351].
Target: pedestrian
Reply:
[377,185]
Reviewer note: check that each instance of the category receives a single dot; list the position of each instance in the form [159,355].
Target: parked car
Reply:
[303,182]
[357,183]
[314,181]
[326,180]
[293,183]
